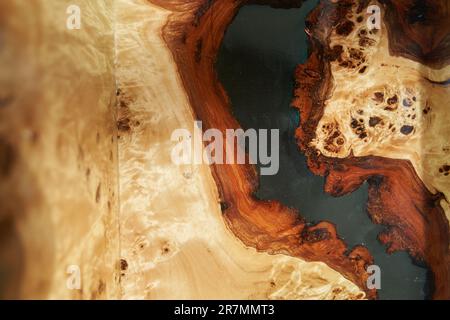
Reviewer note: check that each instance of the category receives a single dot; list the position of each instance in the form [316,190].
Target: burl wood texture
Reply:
[58,158]
[369,112]
[373,107]
[194,34]
[174,242]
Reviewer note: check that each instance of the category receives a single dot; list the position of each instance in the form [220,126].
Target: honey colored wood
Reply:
[373,107]
[58,151]
[175,243]
[194,33]
[398,147]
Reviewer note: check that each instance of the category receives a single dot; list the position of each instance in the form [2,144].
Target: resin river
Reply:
[256,64]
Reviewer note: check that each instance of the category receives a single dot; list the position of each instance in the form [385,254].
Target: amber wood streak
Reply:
[397,196]
[194,34]
[415,219]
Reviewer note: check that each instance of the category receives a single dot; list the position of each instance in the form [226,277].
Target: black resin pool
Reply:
[256,65]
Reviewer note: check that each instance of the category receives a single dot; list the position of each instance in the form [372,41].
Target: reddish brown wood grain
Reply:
[415,220]
[194,34]
[398,198]
[419,30]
